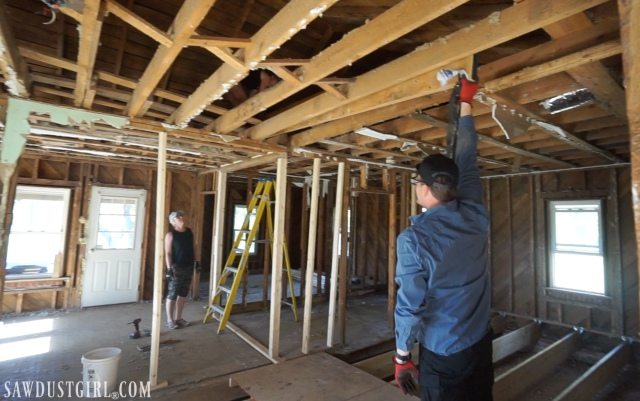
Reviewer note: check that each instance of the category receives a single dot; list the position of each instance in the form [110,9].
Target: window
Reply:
[38,232]
[239,215]
[577,251]
[117,223]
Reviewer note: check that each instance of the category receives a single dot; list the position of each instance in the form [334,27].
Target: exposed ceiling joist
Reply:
[392,24]
[291,18]
[138,23]
[12,66]
[89,41]
[185,24]
[511,23]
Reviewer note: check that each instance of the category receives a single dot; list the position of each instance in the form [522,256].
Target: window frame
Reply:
[552,245]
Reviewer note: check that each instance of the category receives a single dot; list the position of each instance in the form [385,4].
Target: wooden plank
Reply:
[315,377]
[55,61]
[289,20]
[343,274]
[513,382]
[184,25]
[256,161]
[218,41]
[510,343]
[158,258]
[390,25]
[389,183]
[12,66]
[277,257]
[138,22]
[629,25]
[311,256]
[89,41]
[598,376]
[337,219]
[586,56]
[511,23]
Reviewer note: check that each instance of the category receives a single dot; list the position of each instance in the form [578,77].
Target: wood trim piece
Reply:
[510,384]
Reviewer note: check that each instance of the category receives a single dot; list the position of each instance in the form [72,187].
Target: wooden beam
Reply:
[184,25]
[218,41]
[311,256]
[390,25]
[256,161]
[513,382]
[517,340]
[332,90]
[138,22]
[511,23]
[226,56]
[629,25]
[277,257]
[159,259]
[47,59]
[89,41]
[389,183]
[333,290]
[289,20]
[586,56]
[217,238]
[598,376]
[343,267]
[12,66]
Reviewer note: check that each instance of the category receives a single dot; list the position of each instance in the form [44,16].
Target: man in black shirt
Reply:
[179,257]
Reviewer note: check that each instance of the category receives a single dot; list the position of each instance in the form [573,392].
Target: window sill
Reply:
[577,298]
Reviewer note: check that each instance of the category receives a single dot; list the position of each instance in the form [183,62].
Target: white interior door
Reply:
[114,246]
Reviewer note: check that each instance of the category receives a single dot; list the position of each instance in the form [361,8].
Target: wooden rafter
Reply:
[515,21]
[12,66]
[217,41]
[90,29]
[186,22]
[138,23]
[392,24]
[291,18]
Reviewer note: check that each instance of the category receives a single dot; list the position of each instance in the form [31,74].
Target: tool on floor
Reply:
[163,343]
[259,206]
[137,333]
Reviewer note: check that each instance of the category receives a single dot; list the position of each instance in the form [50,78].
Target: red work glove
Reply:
[407,377]
[468,90]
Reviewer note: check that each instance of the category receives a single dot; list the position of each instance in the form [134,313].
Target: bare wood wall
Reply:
[518,249]
[80,176]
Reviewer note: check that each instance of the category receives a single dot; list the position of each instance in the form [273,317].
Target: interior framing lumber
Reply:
[90,30]
[508,385]
[12,66]
[517,340]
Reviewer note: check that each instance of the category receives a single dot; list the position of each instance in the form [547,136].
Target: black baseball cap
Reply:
[438,169]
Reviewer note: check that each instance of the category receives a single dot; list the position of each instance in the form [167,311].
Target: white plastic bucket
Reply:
[100,371]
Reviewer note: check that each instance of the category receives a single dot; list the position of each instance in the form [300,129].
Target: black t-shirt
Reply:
[182,248]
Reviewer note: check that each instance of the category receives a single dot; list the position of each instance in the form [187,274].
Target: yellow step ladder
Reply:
[259,205]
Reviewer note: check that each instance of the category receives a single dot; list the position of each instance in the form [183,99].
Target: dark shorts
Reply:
[464,376]
[179,283]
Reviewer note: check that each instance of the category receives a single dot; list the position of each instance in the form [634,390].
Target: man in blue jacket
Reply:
[442,273]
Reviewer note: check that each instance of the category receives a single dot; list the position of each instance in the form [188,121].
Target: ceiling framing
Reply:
[342,65]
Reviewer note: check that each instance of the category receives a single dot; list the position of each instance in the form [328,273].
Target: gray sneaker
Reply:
[182,323]
[173,325]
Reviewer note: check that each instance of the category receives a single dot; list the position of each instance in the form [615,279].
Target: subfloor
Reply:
[196,362]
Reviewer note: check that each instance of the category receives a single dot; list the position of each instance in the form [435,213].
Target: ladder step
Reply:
[224,289]
[244,231]
[217,309]
[283,302]
[231,269]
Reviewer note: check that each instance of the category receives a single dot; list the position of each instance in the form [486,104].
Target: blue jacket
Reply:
[444,294]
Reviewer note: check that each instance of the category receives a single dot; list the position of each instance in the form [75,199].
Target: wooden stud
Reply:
[217,238]
[12,66]
[629,22]
[513,382]
[90,30]
[337,219]
[145,237]
[133,20]
[390,181]
[277,257]
[159,259]
[311,256]
[187,20]
[343,276]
